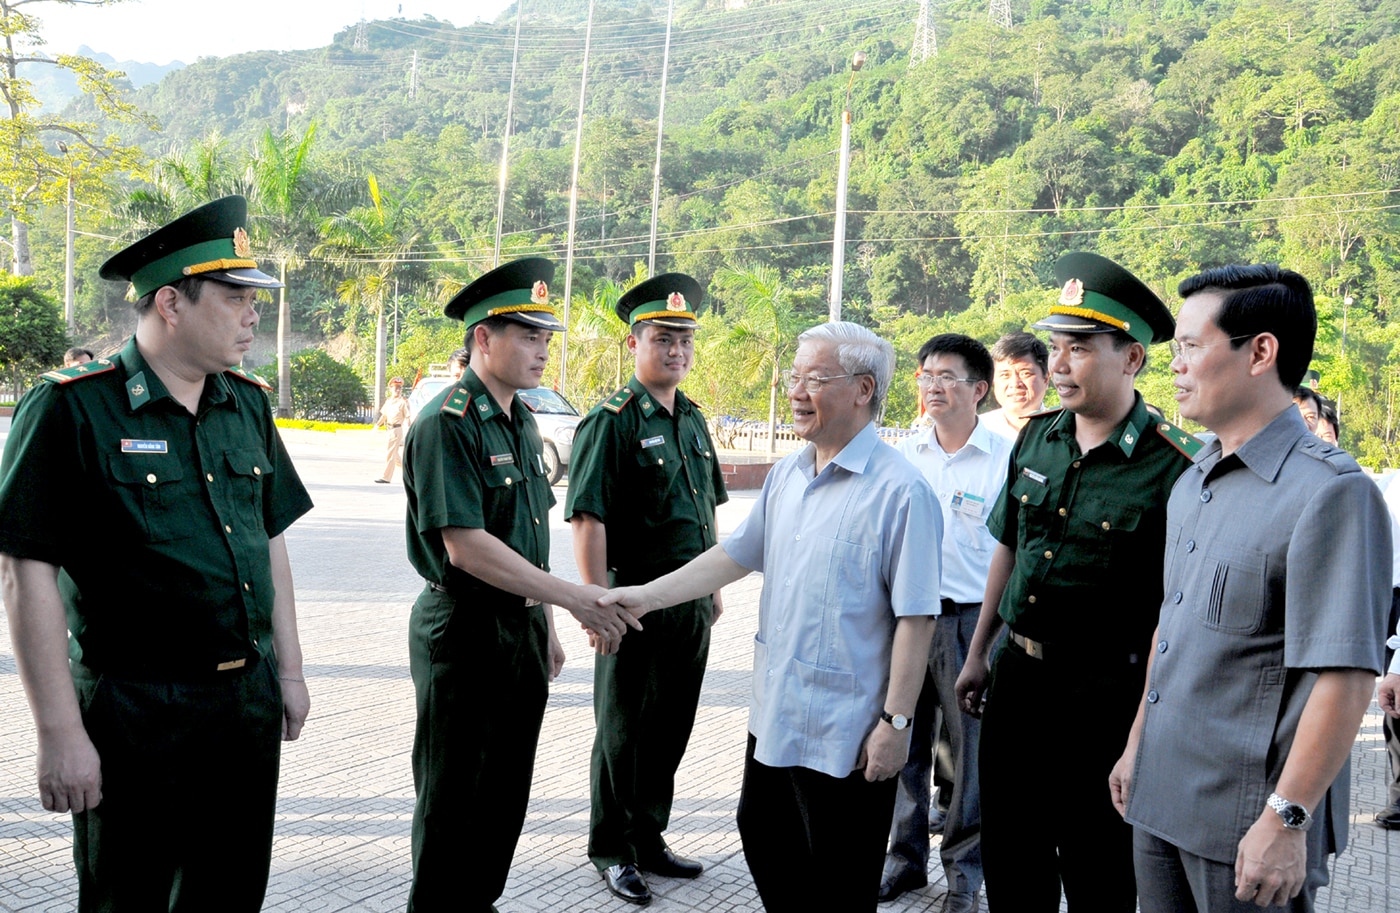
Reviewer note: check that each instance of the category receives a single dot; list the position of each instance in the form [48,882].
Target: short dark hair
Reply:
[1264,298]
[1329,414]
[1307,394]
[1022,347]
[494,324]
[190,286]
[972,352]
[78,352]
[460,357]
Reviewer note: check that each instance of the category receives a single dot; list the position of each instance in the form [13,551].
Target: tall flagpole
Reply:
[505,142]
[573,207]
[660,123]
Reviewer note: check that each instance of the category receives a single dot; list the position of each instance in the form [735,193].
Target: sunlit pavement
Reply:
[346,796]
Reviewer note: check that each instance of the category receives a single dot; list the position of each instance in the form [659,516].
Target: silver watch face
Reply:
[1295,817]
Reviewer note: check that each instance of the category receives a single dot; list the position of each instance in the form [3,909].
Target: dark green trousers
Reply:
[189,791]
[480,674]
[644,702]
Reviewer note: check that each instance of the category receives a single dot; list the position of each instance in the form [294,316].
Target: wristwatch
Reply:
[898,720]
[1295,817]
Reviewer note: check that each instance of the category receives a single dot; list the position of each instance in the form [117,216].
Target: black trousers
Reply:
[644,702]
[189,792]
[1391,728]
[480,674]
[813,841]
[1051,733]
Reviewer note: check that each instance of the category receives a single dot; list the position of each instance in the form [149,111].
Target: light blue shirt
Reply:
[967,484]
[844,552]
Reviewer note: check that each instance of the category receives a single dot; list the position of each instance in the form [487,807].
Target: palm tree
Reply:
[371,241]
[597,340]
[763,335]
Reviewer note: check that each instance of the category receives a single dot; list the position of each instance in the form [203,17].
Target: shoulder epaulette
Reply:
[1331,454]
[619,399]
[78,372]
[1184,441]
[249,377]
[457,402]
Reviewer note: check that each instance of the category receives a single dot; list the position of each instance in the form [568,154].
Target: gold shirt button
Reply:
[1049,554]
[537,521]
[247,586]
[257,470]
[509,480]
[227,528]
[209,476]
[1025,498]
[1063,512]
[1076,464]
[659,461]
[1105,524]
[151,477]
[1030,599]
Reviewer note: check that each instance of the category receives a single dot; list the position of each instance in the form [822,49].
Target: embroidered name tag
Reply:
[130,445]
[654,441]
[501,459]
[1033,476]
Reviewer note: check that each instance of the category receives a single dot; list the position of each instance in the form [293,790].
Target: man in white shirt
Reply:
[965,463]
[1020,377]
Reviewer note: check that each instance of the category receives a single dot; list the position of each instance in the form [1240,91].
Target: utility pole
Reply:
[573,207]
[505,141]
[413,78]
[1000,12]
[925,42]
[660,121]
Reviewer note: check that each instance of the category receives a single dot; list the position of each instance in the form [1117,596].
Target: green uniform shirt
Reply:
[1088,530]
[158,519]
[651,477]
[469,464]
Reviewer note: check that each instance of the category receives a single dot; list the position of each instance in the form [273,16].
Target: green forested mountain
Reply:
[1168,134]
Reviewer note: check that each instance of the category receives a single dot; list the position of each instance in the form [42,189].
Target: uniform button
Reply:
[1176,598]
[1063,512]
[1161,646]
[1076,464]
[537,521]
[227,528]
[1049,554]
[1025,498]
[1190,545]
[1105,525]
[247,587]
[151,477]
[1205,496]
[694,492]
[659,461]
[209,476]
[509,480]
[257,470]
[1030,599]
[1152,697]
[799,537]
[704,526]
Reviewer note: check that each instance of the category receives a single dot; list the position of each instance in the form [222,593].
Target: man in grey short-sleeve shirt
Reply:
[1277,585]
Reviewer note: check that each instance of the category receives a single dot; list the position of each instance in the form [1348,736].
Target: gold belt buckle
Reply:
[231,664]
[1034,649]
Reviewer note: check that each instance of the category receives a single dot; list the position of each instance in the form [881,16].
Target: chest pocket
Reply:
[656,467]
[1105,529]
[248,470]
[1230,594]
[149,488]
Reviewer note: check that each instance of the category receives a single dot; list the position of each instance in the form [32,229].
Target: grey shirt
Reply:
[1242,640]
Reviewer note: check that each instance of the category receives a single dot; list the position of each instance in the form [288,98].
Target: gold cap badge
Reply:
[539,293]
[1073,293]
[675,302]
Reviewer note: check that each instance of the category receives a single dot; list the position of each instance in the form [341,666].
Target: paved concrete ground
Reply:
[346,797]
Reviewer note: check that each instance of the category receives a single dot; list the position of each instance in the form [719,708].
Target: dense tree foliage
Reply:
[1168,134]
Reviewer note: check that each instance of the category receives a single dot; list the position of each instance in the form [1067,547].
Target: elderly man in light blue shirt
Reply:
[847,534]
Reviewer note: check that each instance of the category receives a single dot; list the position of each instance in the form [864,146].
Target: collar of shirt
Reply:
[649,405]
[1264,453]
[1125,437]
[981,440]
[483,403]
[144,386]
[854,457]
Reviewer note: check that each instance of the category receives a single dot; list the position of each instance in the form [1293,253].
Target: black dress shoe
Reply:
[1389,819]
[626,882]
[669,865]
[892,886]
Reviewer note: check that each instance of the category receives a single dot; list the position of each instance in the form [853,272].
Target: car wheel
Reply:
[552,466]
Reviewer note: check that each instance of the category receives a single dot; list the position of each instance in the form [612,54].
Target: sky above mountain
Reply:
[161,31]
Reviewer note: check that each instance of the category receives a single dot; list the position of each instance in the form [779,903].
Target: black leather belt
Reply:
[439,588]
[957,608]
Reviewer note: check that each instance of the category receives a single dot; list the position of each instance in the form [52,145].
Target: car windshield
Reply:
[544,400]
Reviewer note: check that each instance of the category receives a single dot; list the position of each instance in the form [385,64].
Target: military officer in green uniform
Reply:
[643,487]
[481,643]
[157,639]
[1077,579]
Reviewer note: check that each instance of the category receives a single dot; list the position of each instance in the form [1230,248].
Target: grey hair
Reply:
[860,352]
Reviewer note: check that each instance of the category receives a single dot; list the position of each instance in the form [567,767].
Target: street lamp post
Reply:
[69,318]
[838,247]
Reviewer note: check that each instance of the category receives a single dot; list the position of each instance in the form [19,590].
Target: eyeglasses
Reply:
[1190,351]
[811,382]
[942,381]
